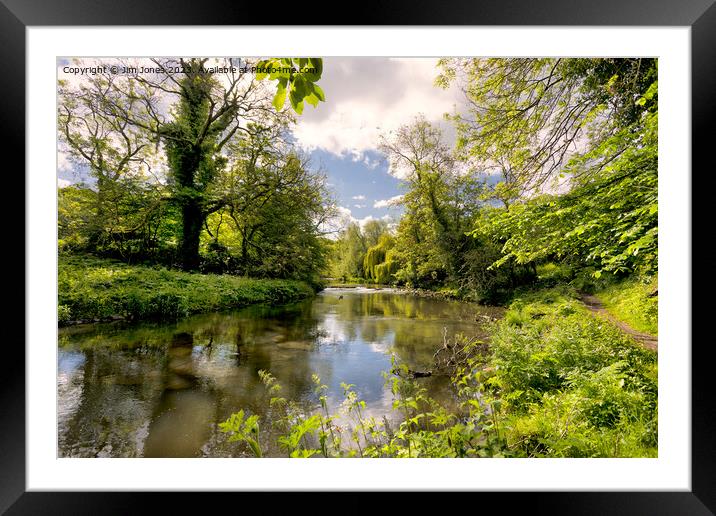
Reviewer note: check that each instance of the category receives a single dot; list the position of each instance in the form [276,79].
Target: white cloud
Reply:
[385,203]
[362,222]
[358,197]
[344,212]
[343,218]
[367,97]
[360,206]
[64,160]
[62,183]
[371,163]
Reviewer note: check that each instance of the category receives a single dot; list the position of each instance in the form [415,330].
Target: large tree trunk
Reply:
[192,221]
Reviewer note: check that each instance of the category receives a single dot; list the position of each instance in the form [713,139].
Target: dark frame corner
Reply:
[700,15]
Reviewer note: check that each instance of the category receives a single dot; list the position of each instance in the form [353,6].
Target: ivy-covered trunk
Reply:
[192,220]
[190,146]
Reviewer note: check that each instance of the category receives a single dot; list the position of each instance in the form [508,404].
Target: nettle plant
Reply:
[422,427]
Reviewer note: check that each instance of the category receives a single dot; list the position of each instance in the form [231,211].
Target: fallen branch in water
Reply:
[456,353]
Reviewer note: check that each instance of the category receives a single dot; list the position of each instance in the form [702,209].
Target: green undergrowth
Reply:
[572,385]
[91,289]
[633,301]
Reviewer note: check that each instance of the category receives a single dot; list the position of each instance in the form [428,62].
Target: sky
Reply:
[366,97]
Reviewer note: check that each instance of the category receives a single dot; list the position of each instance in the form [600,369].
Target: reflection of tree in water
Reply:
[183,409]
[118,393]
[409,326]
[161,389]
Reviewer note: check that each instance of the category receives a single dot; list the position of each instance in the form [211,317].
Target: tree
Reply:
[589,123]
[373,230]
[379,264]
[194,108]
[349,252]
[527,117]
[117,156]
[274,207]
[440,203]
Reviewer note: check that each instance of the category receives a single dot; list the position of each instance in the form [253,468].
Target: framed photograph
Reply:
[430,237]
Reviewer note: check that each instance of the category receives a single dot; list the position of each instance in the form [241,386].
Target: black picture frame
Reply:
[700,15]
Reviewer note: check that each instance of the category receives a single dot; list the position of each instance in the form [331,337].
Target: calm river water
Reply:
[159,390]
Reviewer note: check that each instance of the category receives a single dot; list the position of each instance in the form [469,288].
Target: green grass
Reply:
[571,385]
[629,300]
[96,289]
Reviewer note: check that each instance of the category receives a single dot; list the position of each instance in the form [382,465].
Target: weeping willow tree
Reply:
[379,263]
[385,272]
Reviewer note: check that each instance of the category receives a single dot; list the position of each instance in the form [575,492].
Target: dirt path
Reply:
[596,306]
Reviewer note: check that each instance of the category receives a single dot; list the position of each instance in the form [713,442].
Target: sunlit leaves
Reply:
[296,78]
[242,429]
[280,98]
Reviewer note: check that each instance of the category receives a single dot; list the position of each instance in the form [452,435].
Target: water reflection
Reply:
[159,390]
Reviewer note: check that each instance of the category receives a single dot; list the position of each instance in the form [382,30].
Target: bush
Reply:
[64,314]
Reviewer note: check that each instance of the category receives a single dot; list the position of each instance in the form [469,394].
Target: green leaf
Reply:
[312,99]
[318,92]
[280,98]
[299,88]
[317,64]
[296,95]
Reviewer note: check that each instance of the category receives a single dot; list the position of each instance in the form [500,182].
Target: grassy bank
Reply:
[570,384]
[91,289]
[633,301]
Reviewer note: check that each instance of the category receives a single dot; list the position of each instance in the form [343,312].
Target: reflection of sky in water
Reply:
[340,353]
[69,361]
[161,389]
[69,386]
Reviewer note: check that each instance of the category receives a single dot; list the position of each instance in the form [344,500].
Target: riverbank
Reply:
[92,289]
[633,301]
[571,384]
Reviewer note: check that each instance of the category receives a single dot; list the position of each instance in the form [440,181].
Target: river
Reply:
[160,390]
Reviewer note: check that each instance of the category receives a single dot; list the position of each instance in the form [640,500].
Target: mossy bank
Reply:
[92,289]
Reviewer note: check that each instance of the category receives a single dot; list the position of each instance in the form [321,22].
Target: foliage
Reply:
[572,385]
[296,78]
[425,428]
[432,248]
[527,117]
[91,289]
[243,430]
[133,224]
[609,222]
[439,203]
[359,251]
[378,264]
[573,143]
[273,207]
